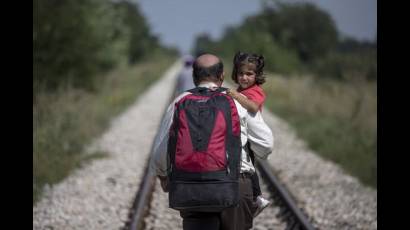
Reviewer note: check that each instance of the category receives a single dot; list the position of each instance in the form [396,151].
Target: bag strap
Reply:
[204,90]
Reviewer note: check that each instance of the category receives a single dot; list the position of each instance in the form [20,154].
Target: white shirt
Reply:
[253,129]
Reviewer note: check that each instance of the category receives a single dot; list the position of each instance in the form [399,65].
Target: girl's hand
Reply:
[233,93]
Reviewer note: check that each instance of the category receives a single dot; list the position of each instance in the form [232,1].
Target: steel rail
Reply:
[284,194]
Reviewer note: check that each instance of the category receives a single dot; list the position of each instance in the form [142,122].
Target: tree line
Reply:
[296,38]
[76,40]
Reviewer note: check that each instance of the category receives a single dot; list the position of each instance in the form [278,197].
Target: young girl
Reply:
[248,73]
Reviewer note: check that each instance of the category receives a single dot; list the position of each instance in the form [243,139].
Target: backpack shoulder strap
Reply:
[197,90]
[202,90]
[221,89]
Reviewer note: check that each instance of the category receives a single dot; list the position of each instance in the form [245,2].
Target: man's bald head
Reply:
[208,67]
[207,60]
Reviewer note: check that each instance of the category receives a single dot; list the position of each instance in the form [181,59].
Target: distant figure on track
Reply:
[184,80]
[201,155]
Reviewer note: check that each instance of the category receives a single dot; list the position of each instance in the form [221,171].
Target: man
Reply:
[184,80]
[208,73]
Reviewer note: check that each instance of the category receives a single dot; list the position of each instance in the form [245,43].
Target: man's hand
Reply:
[164,183]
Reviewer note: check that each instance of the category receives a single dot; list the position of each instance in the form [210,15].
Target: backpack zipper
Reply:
[228,171]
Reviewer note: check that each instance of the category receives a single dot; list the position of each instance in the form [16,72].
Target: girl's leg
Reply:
[255,186]
[255,179]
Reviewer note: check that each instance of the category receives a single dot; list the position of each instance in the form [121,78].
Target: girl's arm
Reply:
[249,105]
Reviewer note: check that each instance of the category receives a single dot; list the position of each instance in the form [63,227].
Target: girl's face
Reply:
[246,75]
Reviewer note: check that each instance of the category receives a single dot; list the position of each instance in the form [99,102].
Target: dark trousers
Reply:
[234,218]
[255,186]
[255,179]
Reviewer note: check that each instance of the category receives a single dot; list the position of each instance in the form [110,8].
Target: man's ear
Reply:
[222,76]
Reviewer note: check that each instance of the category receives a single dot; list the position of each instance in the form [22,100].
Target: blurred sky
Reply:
[177,22]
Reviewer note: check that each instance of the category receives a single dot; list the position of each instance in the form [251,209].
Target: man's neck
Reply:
[209,84]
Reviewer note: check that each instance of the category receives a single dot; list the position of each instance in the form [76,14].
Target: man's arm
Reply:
[160,154]
[159,162]
[259,135]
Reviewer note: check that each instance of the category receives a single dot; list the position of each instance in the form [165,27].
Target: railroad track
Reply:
[150,207]
[282,214]
[289,212]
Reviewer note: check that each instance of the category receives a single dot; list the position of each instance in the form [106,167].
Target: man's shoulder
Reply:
[180,96]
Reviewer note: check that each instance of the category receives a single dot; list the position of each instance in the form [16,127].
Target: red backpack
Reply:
[204,148]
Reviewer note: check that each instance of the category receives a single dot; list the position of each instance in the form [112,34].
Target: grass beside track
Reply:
[67,120]
[337,119]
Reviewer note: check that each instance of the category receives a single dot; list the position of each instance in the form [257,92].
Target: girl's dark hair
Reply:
[245,58]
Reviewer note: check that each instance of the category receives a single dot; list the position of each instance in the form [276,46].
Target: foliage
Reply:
[67,119]
[337,119]
[302,27]
[296,38]
[76,40]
